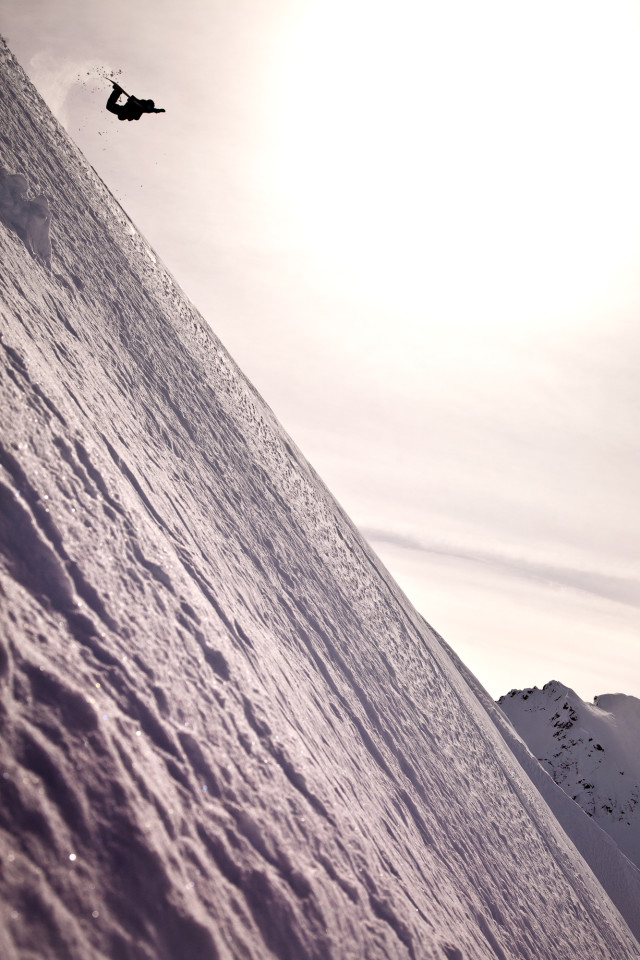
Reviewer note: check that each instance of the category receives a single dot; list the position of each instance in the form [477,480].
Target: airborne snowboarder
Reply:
[132,108]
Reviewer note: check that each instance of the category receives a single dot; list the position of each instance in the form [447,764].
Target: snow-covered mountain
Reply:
[225,733]
[591,750]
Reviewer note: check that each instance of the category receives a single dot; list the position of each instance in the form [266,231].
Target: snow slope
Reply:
[225,732]
[591,750]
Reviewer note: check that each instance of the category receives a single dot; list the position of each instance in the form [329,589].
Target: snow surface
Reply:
[225,731]
[591,750]
[29,217]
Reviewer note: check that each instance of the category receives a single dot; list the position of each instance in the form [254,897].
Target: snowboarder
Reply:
[133,108]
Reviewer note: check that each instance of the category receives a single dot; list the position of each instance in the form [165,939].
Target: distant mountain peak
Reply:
[592,751]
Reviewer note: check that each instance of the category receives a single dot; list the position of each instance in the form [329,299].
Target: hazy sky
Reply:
[416,227]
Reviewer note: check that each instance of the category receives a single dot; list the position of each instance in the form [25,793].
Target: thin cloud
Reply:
[620,589]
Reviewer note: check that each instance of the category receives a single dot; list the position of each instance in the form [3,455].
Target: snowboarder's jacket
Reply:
[132,109]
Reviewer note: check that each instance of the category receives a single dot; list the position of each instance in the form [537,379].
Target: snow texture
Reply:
[591,750]
[30,218]
[225,731]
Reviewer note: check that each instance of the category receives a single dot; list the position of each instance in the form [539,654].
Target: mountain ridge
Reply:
[590,750]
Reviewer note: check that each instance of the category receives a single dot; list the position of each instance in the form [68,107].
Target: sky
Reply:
[416,227]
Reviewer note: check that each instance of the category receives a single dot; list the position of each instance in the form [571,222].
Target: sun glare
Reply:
[465,162]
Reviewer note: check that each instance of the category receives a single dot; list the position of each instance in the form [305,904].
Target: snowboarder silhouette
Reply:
[133,108]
